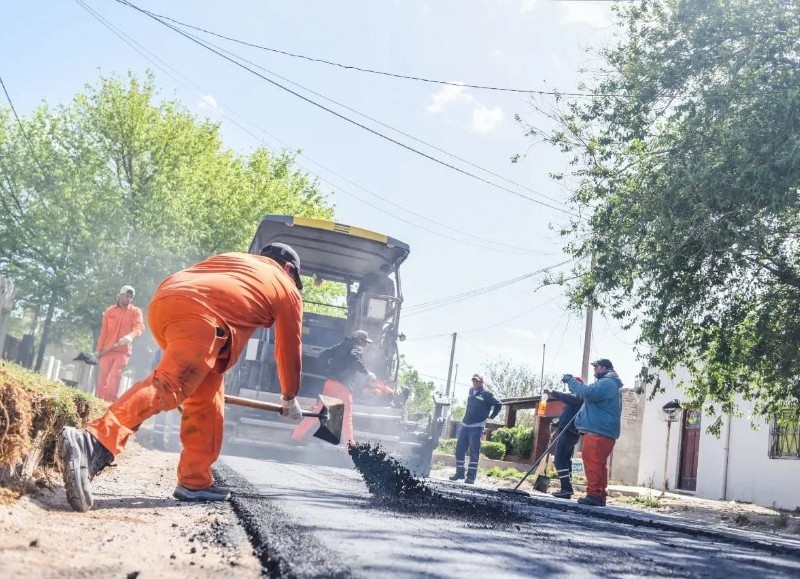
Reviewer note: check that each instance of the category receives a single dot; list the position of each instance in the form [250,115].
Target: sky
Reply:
[464,233]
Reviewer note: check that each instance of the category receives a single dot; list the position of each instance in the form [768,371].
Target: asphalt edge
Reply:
[659,522]
[279,557]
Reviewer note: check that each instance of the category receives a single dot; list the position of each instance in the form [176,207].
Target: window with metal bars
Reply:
[784,434]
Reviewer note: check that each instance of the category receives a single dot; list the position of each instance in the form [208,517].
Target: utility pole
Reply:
[541,380]
[587,344]
[455,380]
[587,337]
[450,369]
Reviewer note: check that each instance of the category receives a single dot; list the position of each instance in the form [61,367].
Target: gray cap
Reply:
[361,335]
[128,289]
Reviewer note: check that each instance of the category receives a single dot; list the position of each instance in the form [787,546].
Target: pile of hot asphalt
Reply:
[392,485]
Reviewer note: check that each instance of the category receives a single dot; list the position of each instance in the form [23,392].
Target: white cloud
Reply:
[207,101]
[448,94]
[591,13]
[485,119]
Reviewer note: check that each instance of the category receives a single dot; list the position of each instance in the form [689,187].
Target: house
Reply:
[753,460]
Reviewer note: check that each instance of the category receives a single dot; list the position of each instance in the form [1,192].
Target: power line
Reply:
[233,60]
[379,72]
[155,60]
[431,305]
[28,142]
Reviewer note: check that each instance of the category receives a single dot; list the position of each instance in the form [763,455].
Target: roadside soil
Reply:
[135,529]
[720,513]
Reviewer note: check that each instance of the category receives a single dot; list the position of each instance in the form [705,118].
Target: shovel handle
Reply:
[259,405]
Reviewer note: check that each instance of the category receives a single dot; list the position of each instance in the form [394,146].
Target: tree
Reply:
[119,187]
[509,379]
[688,169]
[421,397]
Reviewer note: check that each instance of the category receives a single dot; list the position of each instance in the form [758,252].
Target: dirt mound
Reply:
[33,411]
[394,486]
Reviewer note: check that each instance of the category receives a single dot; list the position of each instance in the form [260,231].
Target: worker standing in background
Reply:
[343,362]
[481,404]
[202,317]
[122,323]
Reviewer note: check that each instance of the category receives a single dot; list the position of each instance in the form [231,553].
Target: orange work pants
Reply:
[191,338]
[110,374]
[595,452]
[333,389]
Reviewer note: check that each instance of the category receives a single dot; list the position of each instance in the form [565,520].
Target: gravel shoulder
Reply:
[136,528]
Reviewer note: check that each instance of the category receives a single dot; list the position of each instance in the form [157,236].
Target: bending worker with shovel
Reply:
[202,318]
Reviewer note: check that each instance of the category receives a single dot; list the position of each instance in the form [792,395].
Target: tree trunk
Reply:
[45,333]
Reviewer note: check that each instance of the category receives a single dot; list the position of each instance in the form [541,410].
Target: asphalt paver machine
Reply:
[336,260]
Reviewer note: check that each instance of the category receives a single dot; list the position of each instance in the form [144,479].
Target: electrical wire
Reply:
[163,66]
[236,61]
[379,72]
[28,142]
[430,305]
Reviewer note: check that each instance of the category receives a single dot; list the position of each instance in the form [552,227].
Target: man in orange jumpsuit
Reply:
[122,323]
[344,361]
[202,318]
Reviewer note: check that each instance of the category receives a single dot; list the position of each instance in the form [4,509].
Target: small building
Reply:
[753,460]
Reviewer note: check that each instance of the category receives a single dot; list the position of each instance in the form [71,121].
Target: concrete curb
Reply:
[754,539]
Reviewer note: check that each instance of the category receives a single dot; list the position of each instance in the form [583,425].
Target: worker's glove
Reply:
[290,409]
[372,377]
[125,340]
[566,378]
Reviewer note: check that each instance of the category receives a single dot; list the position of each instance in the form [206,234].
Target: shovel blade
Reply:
[542,483]
[330,420]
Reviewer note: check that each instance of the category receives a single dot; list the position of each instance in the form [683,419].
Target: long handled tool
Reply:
[330,417]
[516,490]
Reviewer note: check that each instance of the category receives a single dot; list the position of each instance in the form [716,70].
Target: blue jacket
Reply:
[480,403]
[602,405]
[572,404]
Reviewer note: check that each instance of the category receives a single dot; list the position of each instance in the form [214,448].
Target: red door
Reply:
[690,450]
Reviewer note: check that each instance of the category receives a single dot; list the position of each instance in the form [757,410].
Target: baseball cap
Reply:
[283,253]
[605,362]
[127,289]
[361,335]
[478,377]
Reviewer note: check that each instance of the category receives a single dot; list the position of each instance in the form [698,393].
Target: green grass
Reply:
[497,472]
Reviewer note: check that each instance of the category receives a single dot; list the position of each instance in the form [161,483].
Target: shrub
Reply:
[493,450]
[517,440]
[522,441]
[446,446]
[504,436]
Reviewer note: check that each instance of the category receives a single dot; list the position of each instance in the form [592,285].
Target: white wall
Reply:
[752,475]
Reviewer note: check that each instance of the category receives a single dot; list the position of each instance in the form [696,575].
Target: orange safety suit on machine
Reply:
[202,318]
[118,322]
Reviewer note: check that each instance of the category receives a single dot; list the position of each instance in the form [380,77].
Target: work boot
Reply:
[592,501]
[562,494]
[457,476]
[469,481]
[83,457]
[212,493]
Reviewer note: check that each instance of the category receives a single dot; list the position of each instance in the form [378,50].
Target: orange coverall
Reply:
[202,318]
[118,322]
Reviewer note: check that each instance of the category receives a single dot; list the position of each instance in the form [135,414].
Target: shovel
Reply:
[330,417]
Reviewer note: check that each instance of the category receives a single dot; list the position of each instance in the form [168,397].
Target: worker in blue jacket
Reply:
[481,405]
[599,420]
[567,437]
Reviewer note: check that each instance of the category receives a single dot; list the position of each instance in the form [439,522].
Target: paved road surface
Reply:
[331,521]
